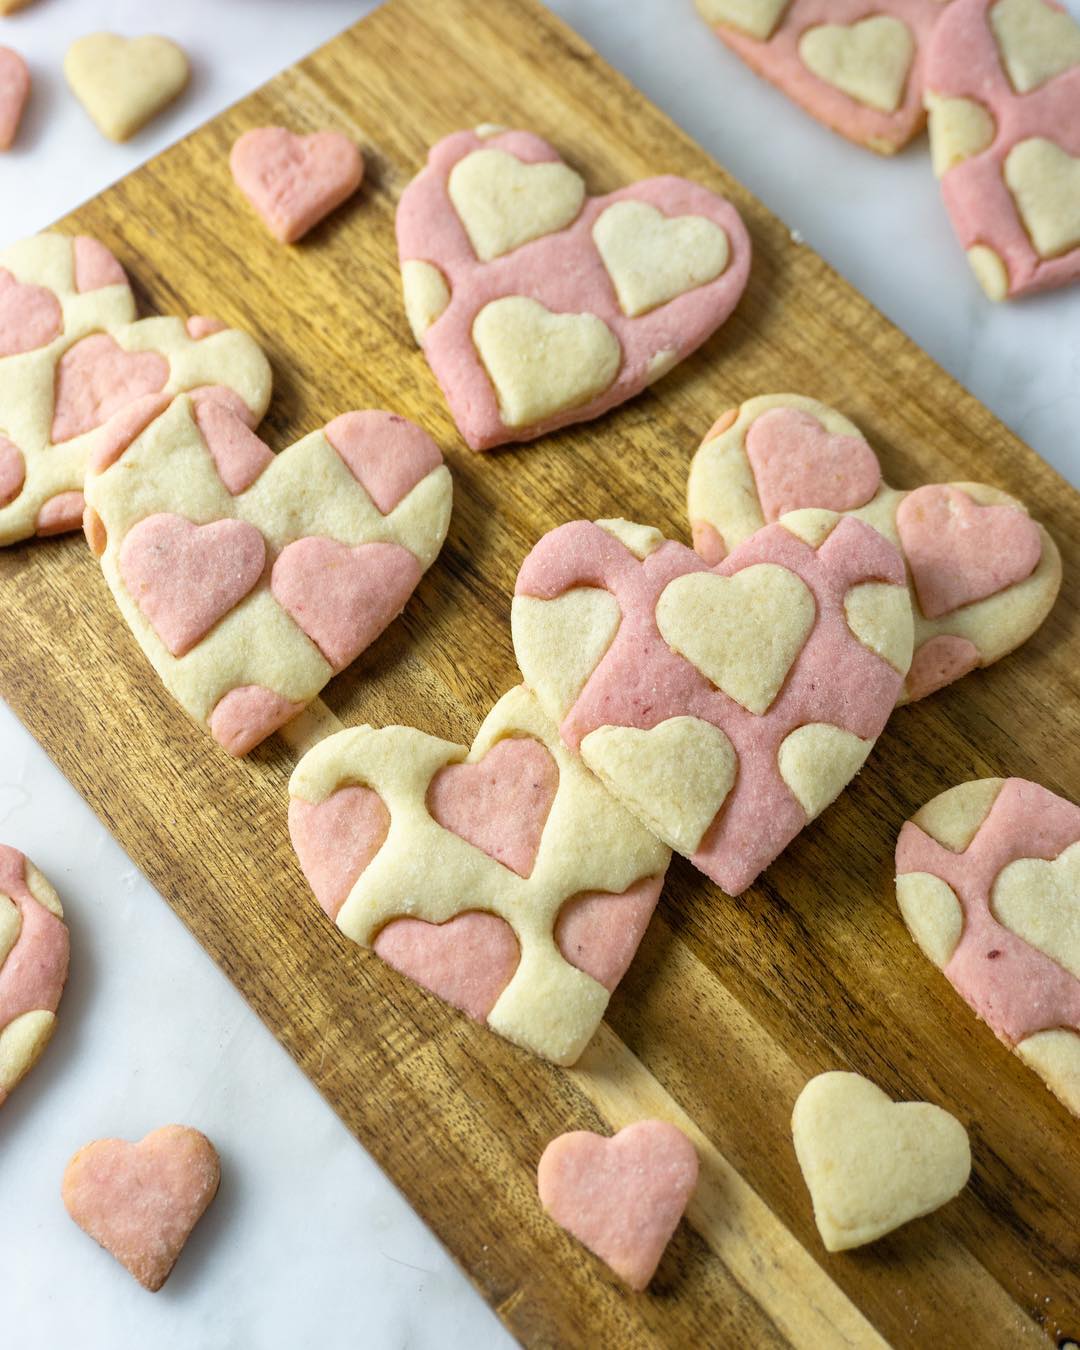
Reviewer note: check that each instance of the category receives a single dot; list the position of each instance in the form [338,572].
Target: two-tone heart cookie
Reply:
[982,574]
[537,305]
[988,881]
[33,965]
[856,65]
[725,706]
[71,357]
[1003,90]
[504,878]
[249,579]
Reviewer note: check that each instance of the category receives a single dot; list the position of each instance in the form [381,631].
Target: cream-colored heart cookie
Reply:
[651,259]
[124,82]
[868,60]
[1037,41]
[1045,183]
[503,202]
[756,17]
[872,1164]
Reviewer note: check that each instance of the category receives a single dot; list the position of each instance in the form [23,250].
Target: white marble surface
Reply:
[308,1243]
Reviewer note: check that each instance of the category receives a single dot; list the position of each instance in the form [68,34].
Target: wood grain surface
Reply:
[731,1004]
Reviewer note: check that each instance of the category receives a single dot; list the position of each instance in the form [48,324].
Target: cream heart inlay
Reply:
[868,60]
[504,202]
[1039,901]
[652,258]
[1045,183]
[758,18]
[1035,41]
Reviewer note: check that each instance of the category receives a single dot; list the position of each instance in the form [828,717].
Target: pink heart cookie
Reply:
[988,881]
[727,706]
[142,1201]
[33,965]
[621,1197]
[14,91]
[538,306]
[983,574]
[537,886]
[251,578]
[1003,90]
[855,66]
[292,181]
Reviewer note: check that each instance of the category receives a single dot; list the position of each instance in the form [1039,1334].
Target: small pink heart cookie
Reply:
[537,886]
[1003,90]
[537,305]
[248,578]
[71,358]
[141,1201]
[726,706]
[14,91]
[293,181]
[33,965]
[988,880]
[621,1197]
[982,574]
[855,65]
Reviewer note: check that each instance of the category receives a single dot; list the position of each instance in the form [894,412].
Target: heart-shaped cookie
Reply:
[728,706]
[856,66]
[988,880]
[1003,90]
[71,357]
[983,574]
[33,965]
[248,578]
[294,181]
[124,82]
[872,1164]
[622,1197]
[537,305]
[537,885]
[141,1201]
[14,91]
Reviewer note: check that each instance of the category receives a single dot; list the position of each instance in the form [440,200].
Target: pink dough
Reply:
[96,378]
[336,839]
[240,456]
[708,542]
[621,1197]
[599,933]
[564,272]
[122,429]
[30,316]
[500,804]
[14,91]
[386,454]
[12,471]
[468,960]
[960,552]
[247,715]
[95,266]
[141,1201]
[186,577]
[1012,986]
[227,398]
[963,62]
[939,661]
[201,325]
[32,977]
[796,463]
[641,682]
[294,181]
[343,597]
[60,514]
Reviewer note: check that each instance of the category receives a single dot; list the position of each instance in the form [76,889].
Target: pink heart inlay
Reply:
[30,316]
[96,378]
[247,715]
[12,471]
[185,577]
[14,91]
[386,454]
[343,597]
[939,661]
[294,181]
[960,552]
[797,463]
[95,266]
[599,932]
[240,456]
[468,961]
[60,514]
[336,839]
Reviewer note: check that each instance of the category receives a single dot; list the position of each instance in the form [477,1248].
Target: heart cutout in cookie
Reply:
[1039,901]
[507,291]
[621,1197]
[14,91]
[124,82]
[467,961]
[142,1201]
[1044,181]
[241,646]
[872,1164]
[30,316]
[868,60]
[796,463]
[96,378]
[1035,41]
[293,181]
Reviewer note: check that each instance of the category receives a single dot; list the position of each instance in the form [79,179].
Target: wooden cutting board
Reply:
[730,1005]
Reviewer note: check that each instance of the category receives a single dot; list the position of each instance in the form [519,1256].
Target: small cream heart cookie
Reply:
[872,1164]
[124,82]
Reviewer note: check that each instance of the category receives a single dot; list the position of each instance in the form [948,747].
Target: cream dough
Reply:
[725,707]
[537,305]
[988,879]
[872,1164]
[124,82]
[249,579]
[869,60]
[70,357]
[561,874]
[982,574]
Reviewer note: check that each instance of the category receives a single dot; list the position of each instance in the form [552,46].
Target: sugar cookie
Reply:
[292,181]
[124,82]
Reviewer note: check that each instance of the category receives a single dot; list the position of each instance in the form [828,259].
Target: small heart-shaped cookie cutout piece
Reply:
[97,378]
[652,258]
[872,1164]
[293,181]
[1039,901]
[14,91]
[798,464]
[868,60]
[124,82]
[504,203]
[30,316]
[621,1197]
[468,960]
[141,1201]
